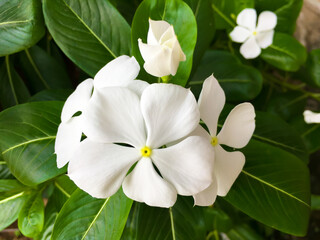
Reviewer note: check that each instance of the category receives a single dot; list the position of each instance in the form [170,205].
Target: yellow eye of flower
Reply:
[254,33]
[214,141]
[146,151]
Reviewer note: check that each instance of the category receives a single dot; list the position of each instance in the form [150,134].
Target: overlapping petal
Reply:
[208,196]
[267,21]
[99,169]
[247,18]
[186,165]
[239,34]
[144,184]
[170,113]
[264,39]
[238,127]
[250,48]
[156,30]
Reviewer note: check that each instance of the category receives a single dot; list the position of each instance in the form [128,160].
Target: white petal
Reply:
[311,117]
[156,30]
[67,140]
[211,102]
[188,165]
[144,184]
[176,57]
[239,34]
[138,86]
[247,18]
[99,169]
[238,127]
[267,21]
[118,72]
[170,113]
[201,132]
[228,166]
[264,39]
[78,100]
[167,36]
[208,196]
[250,48]
[114,116]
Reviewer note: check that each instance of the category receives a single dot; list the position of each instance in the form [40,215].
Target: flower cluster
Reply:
[117,131]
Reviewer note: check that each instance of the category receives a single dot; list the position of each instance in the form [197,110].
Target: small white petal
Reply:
[188,165]
[311,117]
[208,196]
[239,34]
[118,72]
[148,51]
[170,113]
[211,102]
[67,140]
[238,127]
[264,39]
[176,57]
[167,36]
[114,116]
[138,86]
[250,48]
[78,100]
[156,30]
[267,21]
[228,166]
[247,18]
[144,184]
[160,63]
[99,169]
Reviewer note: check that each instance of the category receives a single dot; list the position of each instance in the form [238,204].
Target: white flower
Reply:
[119,72]
[162,53]
[123,129]
[236,133]
[311,117]
[254,37]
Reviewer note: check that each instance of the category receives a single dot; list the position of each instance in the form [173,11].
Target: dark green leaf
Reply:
[21,25]
[27,135]
[243,232]
[7,185]
[313,68]
[273,188]
[4,171]
[31,216]
[285,53]
[90,33]
[315,202]
[51,95]
[12,89]
[178,14]
[240,82]
[85,217]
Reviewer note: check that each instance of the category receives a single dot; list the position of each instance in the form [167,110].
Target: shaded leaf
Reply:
[51,95]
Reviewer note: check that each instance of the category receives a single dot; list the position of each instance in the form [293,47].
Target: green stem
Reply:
[3,163]
[222,15]
[214,234]
[10,79]
[172,224]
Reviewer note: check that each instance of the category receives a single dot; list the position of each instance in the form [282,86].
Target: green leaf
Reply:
[21,25]
[178,14]
[43,71]
[287,12]
[243,232]
[285,53]
[51,95]
[273,188]
[240,82]
[85,217]
[7,185]
[315,202]
[313,68]
[27,135]
[90,33]
[13,91]
[31,216]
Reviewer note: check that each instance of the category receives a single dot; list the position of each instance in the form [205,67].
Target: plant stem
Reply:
[3,163]
[172,224]
[222,15]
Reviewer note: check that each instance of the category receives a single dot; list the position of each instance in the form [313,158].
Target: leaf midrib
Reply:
[282,50]
[15,22]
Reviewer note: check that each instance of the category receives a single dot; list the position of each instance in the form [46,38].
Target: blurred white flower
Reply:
[162,53]
[119,72]
[146,128]
[254,37]
[236,133]
[311,117]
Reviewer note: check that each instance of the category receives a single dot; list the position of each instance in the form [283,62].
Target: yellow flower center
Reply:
[214,141]
[254,33]
[146,151]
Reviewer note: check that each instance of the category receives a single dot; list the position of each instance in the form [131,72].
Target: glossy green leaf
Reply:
[287,12]
[85,217]
[4,170]
[51,95]
[7,185]
[43,71]
[13,91]
[285,53]
[240,82]
[27,135]
[313,68]
[31,216]
[243,232]
[273,188]
[178,14]
[91,33]
[21,25]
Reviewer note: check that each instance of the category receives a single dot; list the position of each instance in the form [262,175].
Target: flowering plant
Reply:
[148,120]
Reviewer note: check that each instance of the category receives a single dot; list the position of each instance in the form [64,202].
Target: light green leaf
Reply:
[85,217]
[7,185]
[91,33]
[21,25]
[27,135]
